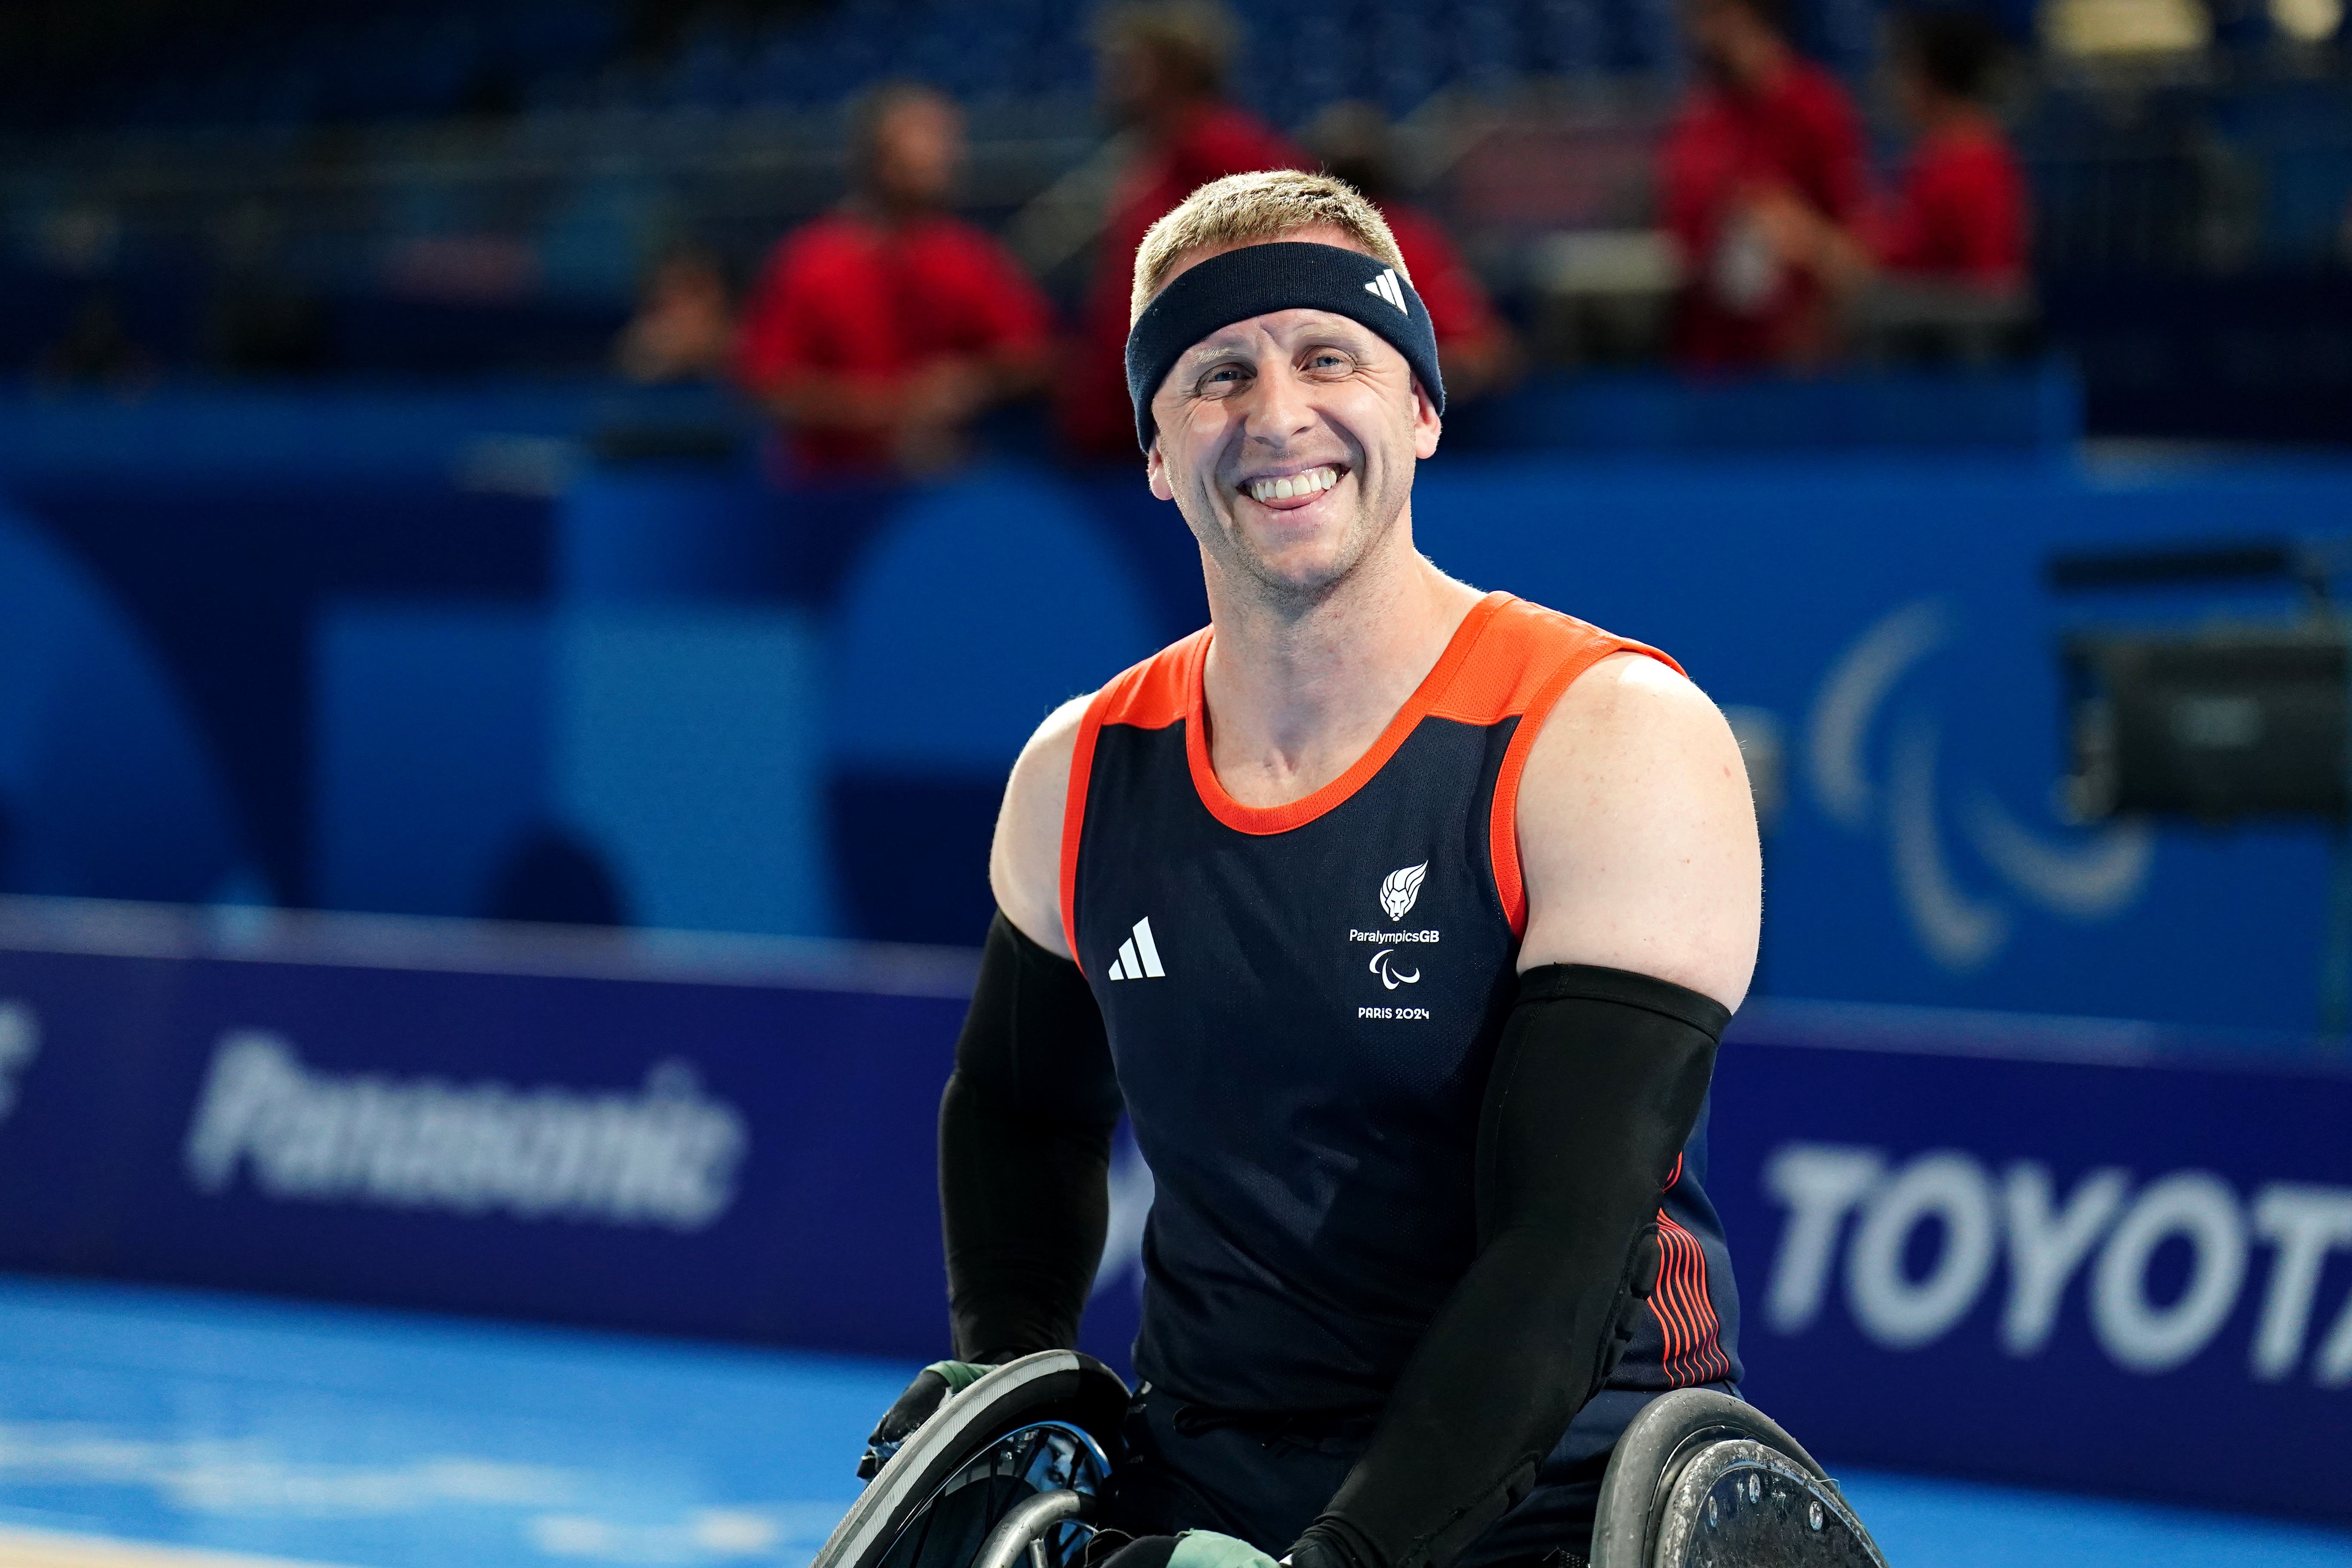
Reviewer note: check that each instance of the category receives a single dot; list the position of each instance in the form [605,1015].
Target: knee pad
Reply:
[1017,1458]
[1700,1477]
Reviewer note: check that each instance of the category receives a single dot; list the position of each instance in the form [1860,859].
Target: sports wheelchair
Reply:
[1011,1469]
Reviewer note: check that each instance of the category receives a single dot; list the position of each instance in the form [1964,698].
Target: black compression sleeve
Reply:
[1595,1088]
[1024,1152]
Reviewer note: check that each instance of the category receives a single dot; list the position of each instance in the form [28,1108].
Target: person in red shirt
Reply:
[878,332]
[1477,350]
[1954,234]
[1961,215]
[1163,68]
[1767,151]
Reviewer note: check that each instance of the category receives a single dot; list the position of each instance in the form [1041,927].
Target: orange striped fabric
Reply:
[1680,1302]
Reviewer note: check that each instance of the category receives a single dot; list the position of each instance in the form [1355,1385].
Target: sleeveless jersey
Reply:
[1303,1003]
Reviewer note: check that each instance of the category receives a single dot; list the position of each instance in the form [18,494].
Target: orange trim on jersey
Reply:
[1506,658]
[1074,815]
[1579,646]
[1149,696]
[1427,698]
[1161,690]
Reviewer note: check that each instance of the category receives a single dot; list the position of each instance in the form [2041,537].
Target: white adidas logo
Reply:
[1139,956]
[1387,286]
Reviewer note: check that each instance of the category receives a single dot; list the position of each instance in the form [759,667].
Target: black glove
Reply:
[1325,1545]
[917,1405]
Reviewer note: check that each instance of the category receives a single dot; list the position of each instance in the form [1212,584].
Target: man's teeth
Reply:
[1308,483]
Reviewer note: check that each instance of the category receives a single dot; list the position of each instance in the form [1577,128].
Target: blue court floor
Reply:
[146,1428]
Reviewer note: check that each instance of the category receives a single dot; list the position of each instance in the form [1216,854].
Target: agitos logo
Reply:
[1962,925]
[2104,1225]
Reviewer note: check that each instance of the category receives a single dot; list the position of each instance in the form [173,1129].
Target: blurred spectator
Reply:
[1475,349]
[1163,66]
[1939,271]
[1767,150]
[1961,215]
[878,332]
[685,327]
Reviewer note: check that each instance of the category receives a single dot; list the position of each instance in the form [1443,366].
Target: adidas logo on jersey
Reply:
[1387,286]
[1139,956]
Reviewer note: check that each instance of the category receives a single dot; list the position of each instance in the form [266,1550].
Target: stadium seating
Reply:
[389,60]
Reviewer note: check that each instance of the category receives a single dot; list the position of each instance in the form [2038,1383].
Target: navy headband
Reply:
[1260,279]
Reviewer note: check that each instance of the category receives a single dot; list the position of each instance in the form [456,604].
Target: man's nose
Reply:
[1280,411]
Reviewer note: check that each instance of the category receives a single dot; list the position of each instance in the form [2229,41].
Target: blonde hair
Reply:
[1253,209]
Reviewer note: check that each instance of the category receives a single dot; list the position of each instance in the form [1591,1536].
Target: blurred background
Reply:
[531,531]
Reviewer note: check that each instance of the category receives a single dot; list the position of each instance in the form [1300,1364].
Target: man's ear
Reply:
[1155,469]
[1428,424]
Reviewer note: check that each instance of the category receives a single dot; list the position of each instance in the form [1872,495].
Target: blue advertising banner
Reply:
[587,1129]
[2097,1255]
[2061,1251]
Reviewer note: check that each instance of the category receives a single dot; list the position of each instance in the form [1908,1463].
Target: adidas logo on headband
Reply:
[1387,288]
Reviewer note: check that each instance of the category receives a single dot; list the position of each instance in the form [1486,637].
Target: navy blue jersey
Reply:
[1303,1002]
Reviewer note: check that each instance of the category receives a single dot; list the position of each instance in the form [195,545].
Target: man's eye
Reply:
[1219,380]
[1326,359]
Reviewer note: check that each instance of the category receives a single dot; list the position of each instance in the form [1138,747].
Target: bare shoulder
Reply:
[1637,833]
[1025,864]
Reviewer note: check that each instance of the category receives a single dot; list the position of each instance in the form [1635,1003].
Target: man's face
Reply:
[1126,82]
[1716,36]
[1724,37]
[1300,401]
[916,150]
[1138,80]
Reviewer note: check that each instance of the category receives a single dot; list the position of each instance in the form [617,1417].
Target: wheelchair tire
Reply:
[1701,1477]
[968,1465]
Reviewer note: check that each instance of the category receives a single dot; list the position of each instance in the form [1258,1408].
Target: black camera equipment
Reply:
[2224,720]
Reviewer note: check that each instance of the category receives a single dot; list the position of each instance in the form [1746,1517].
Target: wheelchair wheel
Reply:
[1008,1469]
[1700,1479]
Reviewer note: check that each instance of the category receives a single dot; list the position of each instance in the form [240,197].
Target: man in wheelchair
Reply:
[1403,921]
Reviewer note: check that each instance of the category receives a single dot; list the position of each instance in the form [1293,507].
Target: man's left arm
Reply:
[1637,842]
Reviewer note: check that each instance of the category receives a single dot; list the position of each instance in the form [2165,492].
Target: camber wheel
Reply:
[1042,1425]
[1703,1481]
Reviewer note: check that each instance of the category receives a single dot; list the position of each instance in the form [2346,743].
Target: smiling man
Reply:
[1403,921]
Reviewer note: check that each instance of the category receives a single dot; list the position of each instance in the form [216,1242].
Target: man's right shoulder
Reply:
[1025,866]
[1024,863]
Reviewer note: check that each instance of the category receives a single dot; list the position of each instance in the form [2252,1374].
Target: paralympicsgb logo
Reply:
[1400,889]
